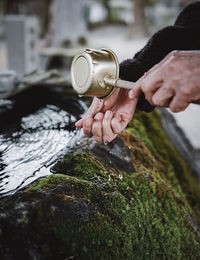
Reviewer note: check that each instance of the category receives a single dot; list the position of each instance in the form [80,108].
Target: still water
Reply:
[34,134]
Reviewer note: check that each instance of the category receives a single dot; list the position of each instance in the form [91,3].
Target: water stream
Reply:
[34,134]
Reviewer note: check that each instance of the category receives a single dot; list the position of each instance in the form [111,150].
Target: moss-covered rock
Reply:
[95,209]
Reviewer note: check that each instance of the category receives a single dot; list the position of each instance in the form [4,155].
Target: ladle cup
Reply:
[96,73]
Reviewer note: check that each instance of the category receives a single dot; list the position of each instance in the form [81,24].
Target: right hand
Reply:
[107,118]
[172,83]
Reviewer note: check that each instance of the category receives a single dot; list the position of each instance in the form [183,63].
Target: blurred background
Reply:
[38,40]
[35,25]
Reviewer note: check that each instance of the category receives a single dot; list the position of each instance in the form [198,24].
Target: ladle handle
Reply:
[119,83]
[124,84]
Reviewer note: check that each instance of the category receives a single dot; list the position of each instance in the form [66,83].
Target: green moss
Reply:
[149,218]
[48,183]
[148,128]
[143,215]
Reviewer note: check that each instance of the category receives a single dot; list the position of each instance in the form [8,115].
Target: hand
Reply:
[173,83]
[107,118]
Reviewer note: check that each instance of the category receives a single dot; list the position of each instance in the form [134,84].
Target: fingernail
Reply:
[131,94]
[97,139]
[98,116]
[107,114]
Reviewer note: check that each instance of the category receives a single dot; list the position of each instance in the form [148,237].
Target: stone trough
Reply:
[134,198]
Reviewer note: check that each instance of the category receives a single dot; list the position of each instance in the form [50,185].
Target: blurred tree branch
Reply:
[139,28]
[106,4]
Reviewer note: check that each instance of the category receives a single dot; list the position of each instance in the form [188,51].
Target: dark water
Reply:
[34,133]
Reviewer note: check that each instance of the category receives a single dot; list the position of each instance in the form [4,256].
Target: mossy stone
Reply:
[90,210]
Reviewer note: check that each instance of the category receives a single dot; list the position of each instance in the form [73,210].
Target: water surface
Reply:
[34,134]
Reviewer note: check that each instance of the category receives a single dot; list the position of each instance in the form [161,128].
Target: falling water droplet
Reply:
[120,176]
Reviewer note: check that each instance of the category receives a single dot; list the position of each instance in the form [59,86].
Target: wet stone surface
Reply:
[115,154]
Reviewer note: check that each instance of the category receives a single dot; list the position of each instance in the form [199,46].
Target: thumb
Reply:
[116,125]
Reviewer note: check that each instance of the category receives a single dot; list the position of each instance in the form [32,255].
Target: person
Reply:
[166,72]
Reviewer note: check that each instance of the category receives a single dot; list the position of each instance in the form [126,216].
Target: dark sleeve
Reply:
[160,44]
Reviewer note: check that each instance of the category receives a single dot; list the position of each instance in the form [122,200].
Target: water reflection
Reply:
[31,141]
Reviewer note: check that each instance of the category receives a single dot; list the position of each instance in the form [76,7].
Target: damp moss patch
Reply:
[134,217]
[148,128]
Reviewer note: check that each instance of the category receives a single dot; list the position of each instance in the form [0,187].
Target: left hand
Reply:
[107,118]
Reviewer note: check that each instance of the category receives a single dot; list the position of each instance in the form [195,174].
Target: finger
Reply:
[123,114]
[119,122]
[108,134]
[150,85]
[96,106]
[163,96]
[110,101]
[97,127]
[135,92]
[79,124]
[178,104]
[87,126]
[116,124]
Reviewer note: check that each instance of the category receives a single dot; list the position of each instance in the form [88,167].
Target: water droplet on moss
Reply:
[120,176]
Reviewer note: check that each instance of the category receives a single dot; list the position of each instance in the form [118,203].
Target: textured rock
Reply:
[180,141]
[92,208]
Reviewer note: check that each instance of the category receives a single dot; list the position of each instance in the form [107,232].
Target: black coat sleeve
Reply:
[180,36]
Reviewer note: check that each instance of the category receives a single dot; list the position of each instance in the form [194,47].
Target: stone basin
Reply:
[135,198]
